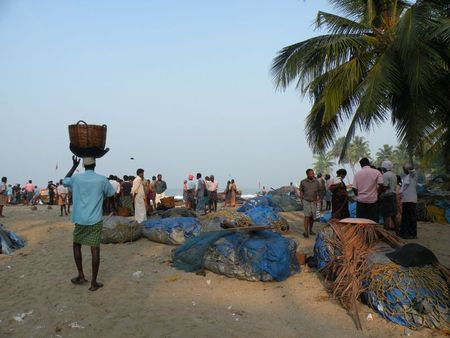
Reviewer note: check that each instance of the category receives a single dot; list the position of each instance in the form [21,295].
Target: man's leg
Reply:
[311,223]
[404,221]
[306,226]
[61,209]
[95,251]
[359,210]
[308,212]
[80,279]
[413,216]
[411,224]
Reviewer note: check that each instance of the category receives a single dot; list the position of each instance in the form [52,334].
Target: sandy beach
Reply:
[165,302]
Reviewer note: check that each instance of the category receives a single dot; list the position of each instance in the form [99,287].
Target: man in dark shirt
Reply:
[160,188]
[51,192]
[309,197]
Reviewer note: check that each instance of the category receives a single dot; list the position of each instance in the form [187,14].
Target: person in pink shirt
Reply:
[367,185]
[29,188]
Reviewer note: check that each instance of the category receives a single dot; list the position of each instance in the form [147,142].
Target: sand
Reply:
[166,302]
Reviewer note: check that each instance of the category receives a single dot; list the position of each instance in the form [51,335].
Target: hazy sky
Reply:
[184,86]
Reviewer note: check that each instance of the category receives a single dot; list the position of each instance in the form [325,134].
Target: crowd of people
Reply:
[379,193]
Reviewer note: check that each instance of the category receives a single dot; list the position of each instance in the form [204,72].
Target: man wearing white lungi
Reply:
[138,193]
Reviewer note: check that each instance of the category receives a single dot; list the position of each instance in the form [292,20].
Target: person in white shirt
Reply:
[138,193]
[112,202]
[212,186]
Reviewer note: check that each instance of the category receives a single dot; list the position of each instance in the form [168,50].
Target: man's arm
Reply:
[76,162]
[380,182]
[301,192]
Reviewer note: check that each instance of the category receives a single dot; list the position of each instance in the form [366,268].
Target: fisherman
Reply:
[190,192]
[160,188]
[139,200]
[408,226]
[367,185]
[200,194]
[388,197]
[309,198]
[212,187]
[88,189]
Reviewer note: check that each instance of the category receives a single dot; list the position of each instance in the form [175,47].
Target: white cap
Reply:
[387,165]
[88,161]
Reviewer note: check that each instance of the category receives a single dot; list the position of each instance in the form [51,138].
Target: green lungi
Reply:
[88,234]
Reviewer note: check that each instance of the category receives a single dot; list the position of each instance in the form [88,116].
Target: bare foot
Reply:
[95,286]
[79,280]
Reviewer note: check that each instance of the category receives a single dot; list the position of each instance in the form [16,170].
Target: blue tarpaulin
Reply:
[263,215]
[171,230]
[255,202]
[9,241]
[260,255]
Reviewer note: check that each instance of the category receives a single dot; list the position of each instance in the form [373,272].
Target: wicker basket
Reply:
[84,135]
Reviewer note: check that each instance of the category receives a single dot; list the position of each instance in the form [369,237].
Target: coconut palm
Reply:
[384,153]
[358,149]
[400,156]
[336,149]
[323,162]
[387,60]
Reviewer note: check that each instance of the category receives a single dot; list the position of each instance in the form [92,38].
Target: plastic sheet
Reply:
[255,256]
[9,241]
[171,230]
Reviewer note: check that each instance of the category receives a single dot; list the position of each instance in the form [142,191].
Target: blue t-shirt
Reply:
[88,191]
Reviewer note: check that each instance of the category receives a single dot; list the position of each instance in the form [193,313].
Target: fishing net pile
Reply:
[262,211]
[9,241]
[254,256]
[177,212]
[224,218]
[265,215]
[357,261]
[174,230]
[118,229]
[285,203]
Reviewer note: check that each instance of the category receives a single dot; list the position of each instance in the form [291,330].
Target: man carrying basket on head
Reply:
[88,191]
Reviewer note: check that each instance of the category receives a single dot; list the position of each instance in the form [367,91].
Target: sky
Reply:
[183,86]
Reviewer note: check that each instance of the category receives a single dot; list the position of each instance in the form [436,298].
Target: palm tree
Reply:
[358,149]
[400,157]
[323,162]
[384,153]
[336,149]
[387,60]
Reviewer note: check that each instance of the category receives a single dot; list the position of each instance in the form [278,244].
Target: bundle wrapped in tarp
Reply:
[255,202]
[224,218]
[415,297]
[285,203]
[9,241]
[177,212]
[253,256]
[118,229]
[264,215]
[358,260]
[173,230]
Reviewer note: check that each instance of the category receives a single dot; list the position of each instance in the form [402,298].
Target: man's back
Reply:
[390,181]
[366,182]
[88,191]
